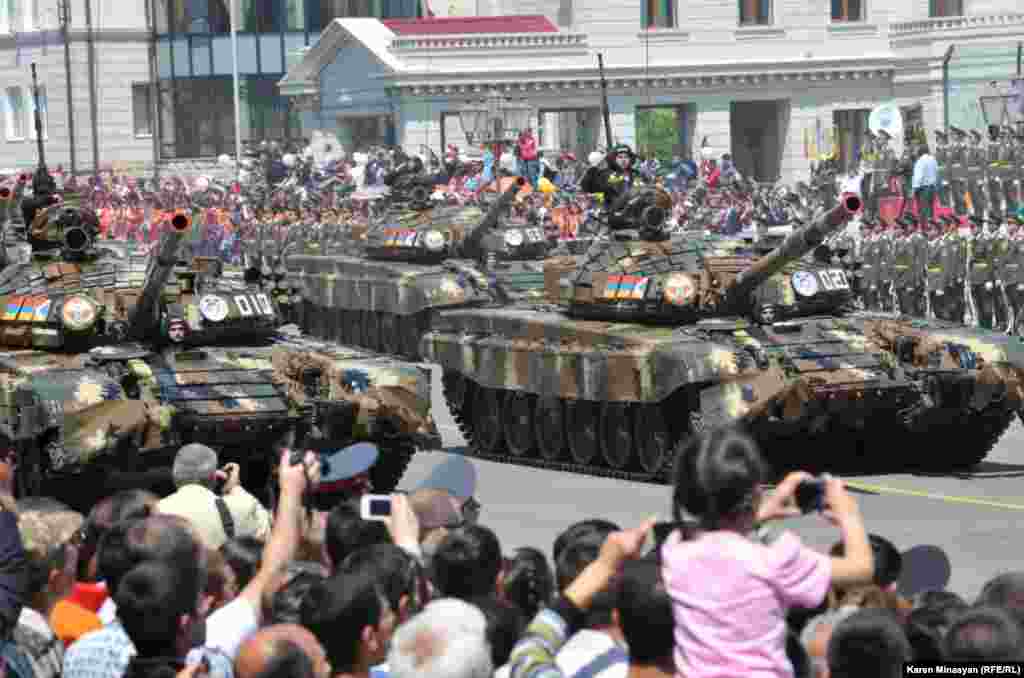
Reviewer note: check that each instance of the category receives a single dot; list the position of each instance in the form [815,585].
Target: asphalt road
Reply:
[971,517]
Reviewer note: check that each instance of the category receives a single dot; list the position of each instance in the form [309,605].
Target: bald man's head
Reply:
[282,651]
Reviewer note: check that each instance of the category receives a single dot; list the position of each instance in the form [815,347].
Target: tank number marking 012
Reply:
[251,305]
[834,279]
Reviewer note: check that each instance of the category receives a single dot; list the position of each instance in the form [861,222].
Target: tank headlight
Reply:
[513,238]
[805,283]
[434,240]
[78,314]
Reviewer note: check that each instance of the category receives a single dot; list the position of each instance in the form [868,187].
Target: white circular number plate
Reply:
[213,308]
[805,284]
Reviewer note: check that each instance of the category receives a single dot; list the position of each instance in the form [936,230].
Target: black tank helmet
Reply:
[613,157]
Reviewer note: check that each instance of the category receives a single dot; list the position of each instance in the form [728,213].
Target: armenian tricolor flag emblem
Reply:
[42,313]
[612,286]
[13,307]
[28,309]
[626,285]
[640,288]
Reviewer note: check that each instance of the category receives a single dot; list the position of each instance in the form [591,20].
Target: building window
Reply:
[847,10]
[941,8]
[262,16]
[658,14]
[852,126]
[8,15]
[200,16]
[31,108]
[755,12]
[15,114]
[142,109]
[296,19]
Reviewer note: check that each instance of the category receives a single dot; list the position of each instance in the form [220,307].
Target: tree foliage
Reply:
[657,132]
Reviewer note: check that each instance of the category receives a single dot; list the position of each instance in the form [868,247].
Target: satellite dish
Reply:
[888,118]
[288,160]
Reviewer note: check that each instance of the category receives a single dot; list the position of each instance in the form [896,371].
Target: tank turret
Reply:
[473,246]
[145,317]
[656,279]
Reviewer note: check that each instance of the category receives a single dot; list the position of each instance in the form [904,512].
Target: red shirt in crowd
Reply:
[527,147]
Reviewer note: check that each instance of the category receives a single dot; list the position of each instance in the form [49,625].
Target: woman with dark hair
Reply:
[529,582]
[243,556]
[732,583]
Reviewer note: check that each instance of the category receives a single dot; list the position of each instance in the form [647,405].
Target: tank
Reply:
[111,358]
[418,260]
[649,339]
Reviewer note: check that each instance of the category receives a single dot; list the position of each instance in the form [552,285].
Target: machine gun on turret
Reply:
[145,317]
[640,213]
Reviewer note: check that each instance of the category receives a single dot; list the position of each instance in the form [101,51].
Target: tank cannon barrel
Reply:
[795,246]
[77,239]
[144,317]
[472,244]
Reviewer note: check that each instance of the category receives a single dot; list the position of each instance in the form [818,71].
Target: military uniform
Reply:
[870,273]
[977,164]
[1008,169]
[909,261]
[1013,278]
[958,171]
[981,277]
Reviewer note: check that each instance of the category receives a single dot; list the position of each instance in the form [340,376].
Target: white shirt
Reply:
[584,647]
[198,505]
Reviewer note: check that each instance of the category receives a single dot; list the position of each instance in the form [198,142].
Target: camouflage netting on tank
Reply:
[377,394]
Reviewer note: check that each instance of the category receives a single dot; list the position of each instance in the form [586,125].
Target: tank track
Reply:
[976,433]
[473,450]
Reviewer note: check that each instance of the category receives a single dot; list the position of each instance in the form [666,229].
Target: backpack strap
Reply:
[225,517]
[602,662]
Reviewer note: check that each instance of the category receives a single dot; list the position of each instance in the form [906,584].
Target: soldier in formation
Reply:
[964,268]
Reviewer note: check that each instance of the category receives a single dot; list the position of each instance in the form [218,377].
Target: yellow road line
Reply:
[884,489]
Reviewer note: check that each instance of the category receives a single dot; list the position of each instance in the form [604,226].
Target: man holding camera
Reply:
[213,498]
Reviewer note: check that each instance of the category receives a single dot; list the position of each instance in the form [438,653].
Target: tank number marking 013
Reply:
[834,279]
[534,234]
[251,305]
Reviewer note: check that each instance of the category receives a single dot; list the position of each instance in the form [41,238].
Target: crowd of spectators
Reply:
[209,582]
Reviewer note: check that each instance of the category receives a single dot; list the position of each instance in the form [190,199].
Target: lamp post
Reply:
[494,120]
[1002,108]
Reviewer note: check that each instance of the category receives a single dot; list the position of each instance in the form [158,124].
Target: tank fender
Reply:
[642,371]
[379,395]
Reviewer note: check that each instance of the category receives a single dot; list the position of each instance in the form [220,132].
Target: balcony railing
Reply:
[489,41]
[955,23]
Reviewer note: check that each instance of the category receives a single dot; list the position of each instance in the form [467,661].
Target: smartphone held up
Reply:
[375,507]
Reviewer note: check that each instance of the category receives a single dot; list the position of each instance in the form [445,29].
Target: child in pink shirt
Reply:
[731,583]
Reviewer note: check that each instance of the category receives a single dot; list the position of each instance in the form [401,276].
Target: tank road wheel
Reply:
[487,415]
[390,467]
[351,327]
[617,438]
[550,417]
[517,421]
[458,390]
[582,421]
[371,330]
[390,342]
[653,438]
